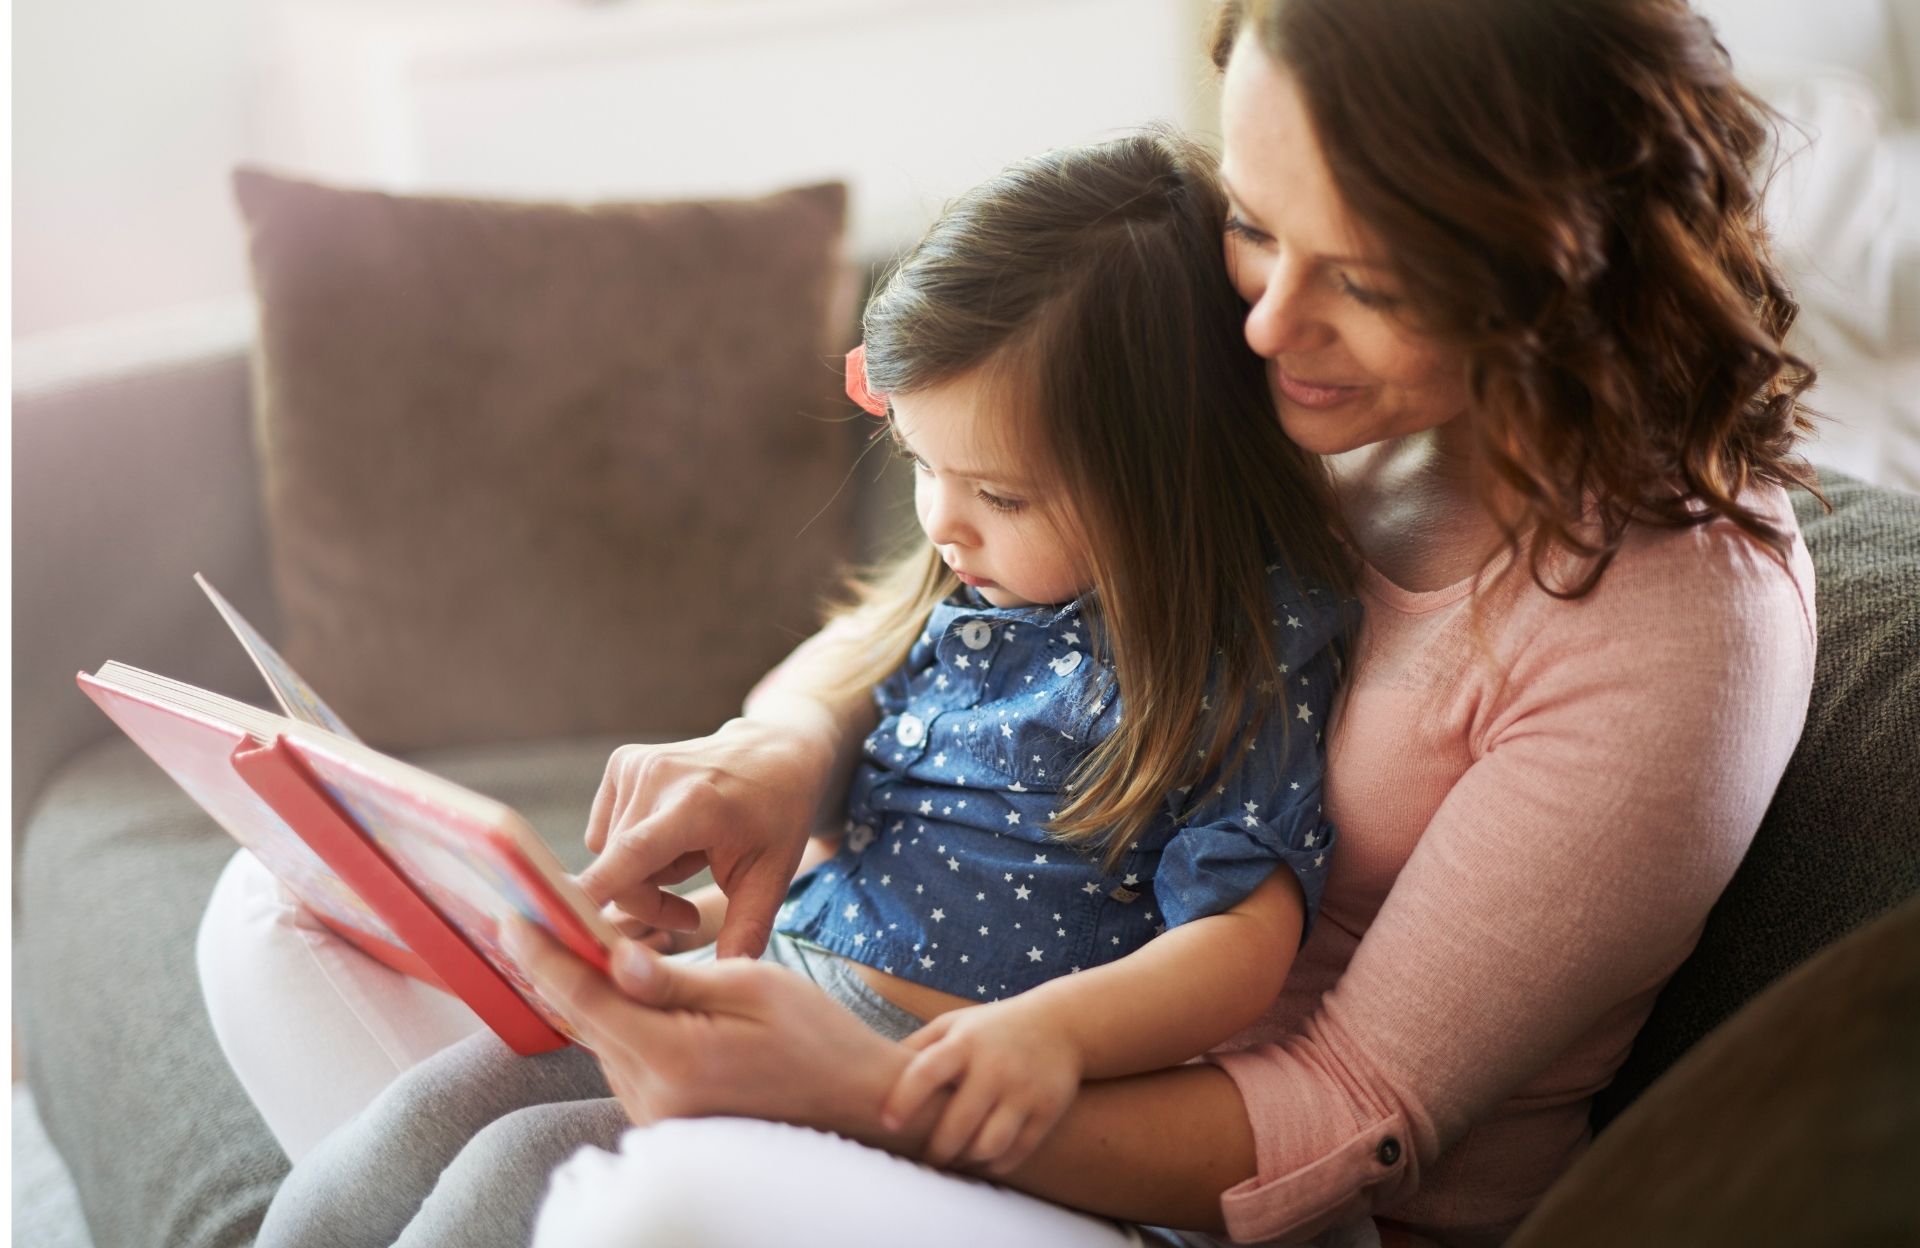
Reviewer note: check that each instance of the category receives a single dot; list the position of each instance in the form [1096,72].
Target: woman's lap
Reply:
[315,1030]
[722,1182]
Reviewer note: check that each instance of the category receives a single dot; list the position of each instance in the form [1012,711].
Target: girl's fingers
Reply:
[924,1075]
[1023,1145]
[997,1133]
[686,865]
[926,1036]
[964,1113]
[624,870]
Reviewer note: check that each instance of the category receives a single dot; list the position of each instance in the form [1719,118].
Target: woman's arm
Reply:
[749,1039]
[742,801]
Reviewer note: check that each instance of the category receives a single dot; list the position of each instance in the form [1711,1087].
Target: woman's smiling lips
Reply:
[1312,394]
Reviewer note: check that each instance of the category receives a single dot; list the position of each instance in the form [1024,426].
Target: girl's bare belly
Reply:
[916,999]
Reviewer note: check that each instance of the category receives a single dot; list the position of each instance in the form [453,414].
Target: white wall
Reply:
[127,116]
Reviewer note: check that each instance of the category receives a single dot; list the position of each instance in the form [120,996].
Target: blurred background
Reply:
[128,117]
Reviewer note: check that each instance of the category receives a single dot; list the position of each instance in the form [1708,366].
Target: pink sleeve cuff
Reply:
[1290,1198]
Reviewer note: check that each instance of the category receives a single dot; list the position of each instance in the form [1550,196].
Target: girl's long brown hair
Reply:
[1566,191]
[1090,282]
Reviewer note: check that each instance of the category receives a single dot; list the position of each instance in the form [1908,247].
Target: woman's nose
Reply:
[1282,320]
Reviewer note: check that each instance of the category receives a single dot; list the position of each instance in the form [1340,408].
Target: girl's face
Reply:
[979,499]
[1347,370]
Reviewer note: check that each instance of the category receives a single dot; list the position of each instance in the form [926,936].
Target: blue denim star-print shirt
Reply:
[947,876]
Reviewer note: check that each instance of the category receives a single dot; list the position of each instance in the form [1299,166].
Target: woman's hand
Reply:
[1016,1073]
[736,1037]
[741,801]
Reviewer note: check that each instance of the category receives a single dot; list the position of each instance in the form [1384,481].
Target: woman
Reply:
[1505,261]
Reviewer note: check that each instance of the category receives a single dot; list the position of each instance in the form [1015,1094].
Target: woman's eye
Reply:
[998,503]
[1240,229]
[901,452]
[1364,296]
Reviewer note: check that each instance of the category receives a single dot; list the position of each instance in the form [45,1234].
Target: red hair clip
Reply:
[857,388]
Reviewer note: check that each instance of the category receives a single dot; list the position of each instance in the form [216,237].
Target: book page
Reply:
[297,699]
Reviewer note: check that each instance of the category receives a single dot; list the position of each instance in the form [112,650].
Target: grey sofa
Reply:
[125,484]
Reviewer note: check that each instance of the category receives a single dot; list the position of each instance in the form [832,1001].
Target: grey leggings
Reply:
[458,1150]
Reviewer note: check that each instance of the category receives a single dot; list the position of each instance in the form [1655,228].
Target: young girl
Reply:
[1090,813]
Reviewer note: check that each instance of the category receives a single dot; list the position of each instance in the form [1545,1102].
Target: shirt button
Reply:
[975,634]
[910,731]
[1389,1151]
[1066,663]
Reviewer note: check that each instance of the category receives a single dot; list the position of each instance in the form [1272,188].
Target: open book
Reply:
[415,870]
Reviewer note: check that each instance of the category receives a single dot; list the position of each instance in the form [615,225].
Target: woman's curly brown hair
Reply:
[1566,191]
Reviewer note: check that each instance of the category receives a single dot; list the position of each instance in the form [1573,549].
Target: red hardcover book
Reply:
[411,868]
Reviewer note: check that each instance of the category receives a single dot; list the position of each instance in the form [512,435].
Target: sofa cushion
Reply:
[165,1148]
[1840,843]
[537,470]
[1798,1122]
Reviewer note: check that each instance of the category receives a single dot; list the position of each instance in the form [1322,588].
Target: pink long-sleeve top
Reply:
[1538,802]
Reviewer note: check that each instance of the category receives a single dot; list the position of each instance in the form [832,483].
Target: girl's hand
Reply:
[1016,1072]
[741,801]
[709,901]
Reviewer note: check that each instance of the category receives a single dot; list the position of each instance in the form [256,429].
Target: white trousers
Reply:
[314,1029]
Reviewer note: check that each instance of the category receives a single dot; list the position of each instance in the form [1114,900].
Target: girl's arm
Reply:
[1184,992]
[1016,1065]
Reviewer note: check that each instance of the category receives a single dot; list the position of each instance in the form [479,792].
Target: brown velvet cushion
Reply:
[1797,1122]
[534,470]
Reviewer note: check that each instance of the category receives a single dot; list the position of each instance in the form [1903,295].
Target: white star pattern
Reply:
[939,915]
[851,912]
[953,864]
[1013,817]
[1089,888]
[962,662]
[926,807]
[1306,713]
[926,964]
[1022,892]
[1039,860]
[1033,954]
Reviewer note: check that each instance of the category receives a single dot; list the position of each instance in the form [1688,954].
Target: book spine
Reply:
[284,783]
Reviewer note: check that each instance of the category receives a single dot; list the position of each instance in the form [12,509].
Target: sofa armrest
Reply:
[133,468]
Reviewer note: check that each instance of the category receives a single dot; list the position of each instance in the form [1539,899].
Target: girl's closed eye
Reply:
[999,503]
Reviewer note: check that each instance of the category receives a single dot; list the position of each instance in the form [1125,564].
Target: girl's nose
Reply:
[944,521]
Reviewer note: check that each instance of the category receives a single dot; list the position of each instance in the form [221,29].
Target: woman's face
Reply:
[1346,366]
